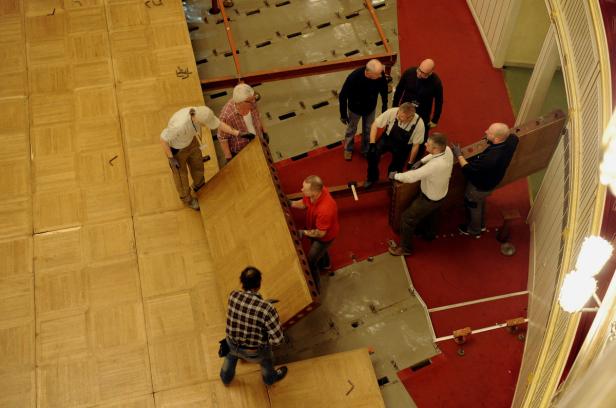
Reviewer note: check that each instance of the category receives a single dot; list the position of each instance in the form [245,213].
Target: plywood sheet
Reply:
[246,391]
[327,381]
[15,217]
[246,225]
[17,388]
[16,257]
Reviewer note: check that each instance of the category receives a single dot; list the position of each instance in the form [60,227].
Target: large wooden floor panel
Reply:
[246,225]
[17,313]
[337,380]
[110,290]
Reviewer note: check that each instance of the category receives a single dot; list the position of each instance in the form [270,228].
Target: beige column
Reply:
[539,84]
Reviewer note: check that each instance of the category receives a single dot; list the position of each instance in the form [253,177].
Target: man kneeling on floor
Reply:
[434,171]
[253,327]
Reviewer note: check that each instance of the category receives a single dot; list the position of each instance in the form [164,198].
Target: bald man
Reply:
[422,87]
[483,173]
[358,98]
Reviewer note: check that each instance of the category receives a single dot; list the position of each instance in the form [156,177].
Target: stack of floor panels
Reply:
[107,296]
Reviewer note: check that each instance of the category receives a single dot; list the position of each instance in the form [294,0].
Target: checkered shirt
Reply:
[232,117]
[252,321]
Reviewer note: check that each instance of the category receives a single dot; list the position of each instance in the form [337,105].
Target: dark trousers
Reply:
[318,258]
[399,154]
[422,147]
[474,204]
[420,211]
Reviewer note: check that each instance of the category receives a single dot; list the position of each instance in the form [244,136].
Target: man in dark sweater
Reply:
[483,173]
[423,88]
[358,98]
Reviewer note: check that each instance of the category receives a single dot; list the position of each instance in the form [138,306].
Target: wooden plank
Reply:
[246,224]
[247,391]
[337,380]
[538,140]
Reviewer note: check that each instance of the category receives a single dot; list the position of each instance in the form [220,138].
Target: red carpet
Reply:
[450,269]
[474,93]
[484,377]
[459,269]
[453,270]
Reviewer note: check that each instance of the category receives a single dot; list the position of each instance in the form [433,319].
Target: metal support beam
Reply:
[256,77]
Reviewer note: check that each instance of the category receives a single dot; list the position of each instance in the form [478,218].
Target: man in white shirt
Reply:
[434,171]
[181,141]
[403,129]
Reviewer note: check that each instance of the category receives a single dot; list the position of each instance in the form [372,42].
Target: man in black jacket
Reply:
[358,98]
[483,173]
[423,88]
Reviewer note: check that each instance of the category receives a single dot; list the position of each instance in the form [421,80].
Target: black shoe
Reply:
[368,184]
[197,187]
[463,228]
[281,373]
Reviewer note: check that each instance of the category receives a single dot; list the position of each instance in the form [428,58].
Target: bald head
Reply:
[425,68]
[374,69]
[497,132]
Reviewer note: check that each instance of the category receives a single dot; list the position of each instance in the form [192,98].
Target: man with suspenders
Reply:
[403,129]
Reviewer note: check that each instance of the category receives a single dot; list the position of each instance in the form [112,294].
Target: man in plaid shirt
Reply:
[241,113]
[253,326]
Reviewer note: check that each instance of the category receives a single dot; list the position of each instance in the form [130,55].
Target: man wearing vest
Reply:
[404,128]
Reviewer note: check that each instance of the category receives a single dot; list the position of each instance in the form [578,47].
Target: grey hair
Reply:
[241,92]
[407,108]
[439,139]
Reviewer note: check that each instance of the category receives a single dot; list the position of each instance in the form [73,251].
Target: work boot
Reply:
[348,156]
[197,187]
[463,228]
[281,373]
[194,204]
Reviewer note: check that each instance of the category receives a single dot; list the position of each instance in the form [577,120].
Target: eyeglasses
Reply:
[425,74]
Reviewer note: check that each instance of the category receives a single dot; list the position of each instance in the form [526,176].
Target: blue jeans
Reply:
[351,131]
[262,355]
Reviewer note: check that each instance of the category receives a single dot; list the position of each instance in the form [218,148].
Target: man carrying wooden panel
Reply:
[483,173]
[322,225]
[253,327]
[181,142]
[242,113]
[434,171]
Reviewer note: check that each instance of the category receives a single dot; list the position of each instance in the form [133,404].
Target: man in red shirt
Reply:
[321,224]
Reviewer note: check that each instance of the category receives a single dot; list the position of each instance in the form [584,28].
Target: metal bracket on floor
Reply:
[460,336]
[515,325]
